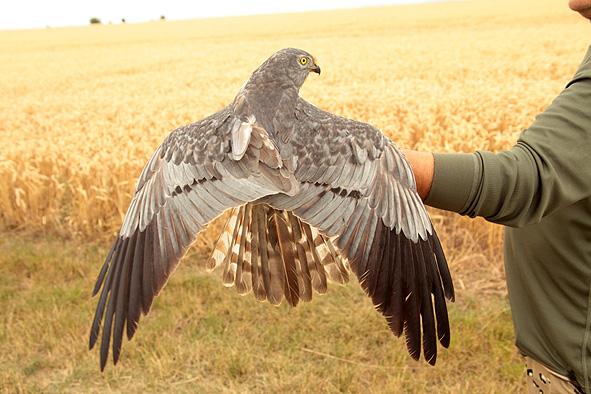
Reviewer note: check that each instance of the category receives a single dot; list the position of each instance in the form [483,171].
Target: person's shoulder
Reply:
[584,71]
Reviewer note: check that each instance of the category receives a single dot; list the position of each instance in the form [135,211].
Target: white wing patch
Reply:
[241,132]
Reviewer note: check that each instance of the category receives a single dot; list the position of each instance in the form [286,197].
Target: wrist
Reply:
[422,165]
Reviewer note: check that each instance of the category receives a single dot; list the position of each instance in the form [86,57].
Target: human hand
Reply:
[583,7]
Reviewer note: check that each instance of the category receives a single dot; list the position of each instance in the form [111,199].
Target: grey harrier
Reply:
[312,195]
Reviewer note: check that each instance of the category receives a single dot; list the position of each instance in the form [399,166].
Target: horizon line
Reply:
[157,17]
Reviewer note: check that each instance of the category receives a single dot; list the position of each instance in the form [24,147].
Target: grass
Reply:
[202,337]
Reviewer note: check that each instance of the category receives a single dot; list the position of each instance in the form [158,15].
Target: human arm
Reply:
[547,169]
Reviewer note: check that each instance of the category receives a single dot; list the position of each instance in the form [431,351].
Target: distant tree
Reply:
[95,21]
[162,18]
[122,20]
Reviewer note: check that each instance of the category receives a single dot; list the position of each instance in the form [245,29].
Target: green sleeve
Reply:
[549,167]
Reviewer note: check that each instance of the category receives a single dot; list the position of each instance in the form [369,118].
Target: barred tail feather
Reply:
[222,246]
[231,257]
[255,260]
[303,273]
[276,256]
[243,281]
[316,268]
[286,251]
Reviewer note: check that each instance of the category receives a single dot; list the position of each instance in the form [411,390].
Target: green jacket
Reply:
[541,190]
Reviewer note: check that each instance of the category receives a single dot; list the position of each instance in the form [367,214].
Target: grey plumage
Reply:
[312,196]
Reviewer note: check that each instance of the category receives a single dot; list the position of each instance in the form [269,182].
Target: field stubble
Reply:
[83,108]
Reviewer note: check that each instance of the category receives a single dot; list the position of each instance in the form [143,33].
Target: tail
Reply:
[275,255]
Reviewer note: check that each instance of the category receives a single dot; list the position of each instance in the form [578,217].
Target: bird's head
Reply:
[295,64]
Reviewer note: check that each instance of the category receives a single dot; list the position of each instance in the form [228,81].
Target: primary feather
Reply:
[312,196]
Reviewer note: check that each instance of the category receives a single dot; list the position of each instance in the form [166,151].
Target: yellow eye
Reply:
[303,61]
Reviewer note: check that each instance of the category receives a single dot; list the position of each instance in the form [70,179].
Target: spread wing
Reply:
[198,172]
[359,191]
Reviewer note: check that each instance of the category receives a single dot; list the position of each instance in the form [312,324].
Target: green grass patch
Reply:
[203,337]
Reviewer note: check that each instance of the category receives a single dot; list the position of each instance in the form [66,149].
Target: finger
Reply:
[580,5]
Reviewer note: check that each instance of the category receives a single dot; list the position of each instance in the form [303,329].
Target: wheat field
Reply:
[82,109]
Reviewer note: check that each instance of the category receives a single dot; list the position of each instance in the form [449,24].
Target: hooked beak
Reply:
[316,70]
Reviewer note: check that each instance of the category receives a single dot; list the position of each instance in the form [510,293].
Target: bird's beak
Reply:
[316,69]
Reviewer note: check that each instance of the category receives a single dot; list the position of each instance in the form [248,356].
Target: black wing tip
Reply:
[416,318]
[103,360]
[432,360]
[430,349]
[413,352]
[122,250]
[96,289]
[443,267]
[445,340]
[100,280]
[104,356]
[104,352]
[430,256]
[116,354]
[395,324]
[131,327]
[92,340]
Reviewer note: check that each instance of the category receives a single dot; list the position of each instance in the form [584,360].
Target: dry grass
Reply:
[204,338]
[81,109]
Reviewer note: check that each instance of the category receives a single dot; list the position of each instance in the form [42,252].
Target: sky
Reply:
[18,14]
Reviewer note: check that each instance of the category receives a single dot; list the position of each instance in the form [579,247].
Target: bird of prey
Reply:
[312,196]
